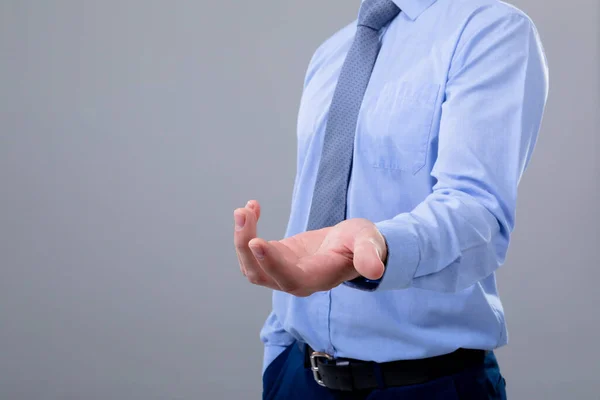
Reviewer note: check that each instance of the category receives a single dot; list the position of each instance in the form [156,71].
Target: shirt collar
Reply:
[413,8]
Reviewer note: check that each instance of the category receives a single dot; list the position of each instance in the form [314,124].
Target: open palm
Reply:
[311,261]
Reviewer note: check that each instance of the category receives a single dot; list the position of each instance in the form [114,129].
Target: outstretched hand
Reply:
[311,261]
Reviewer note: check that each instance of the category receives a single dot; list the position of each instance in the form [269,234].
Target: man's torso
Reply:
[394,151]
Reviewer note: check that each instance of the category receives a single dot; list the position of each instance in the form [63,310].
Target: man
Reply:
[416,124]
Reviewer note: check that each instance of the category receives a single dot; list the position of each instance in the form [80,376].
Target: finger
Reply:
[369,251]
[254,206]
[288,276]
[241,237]
[245,230]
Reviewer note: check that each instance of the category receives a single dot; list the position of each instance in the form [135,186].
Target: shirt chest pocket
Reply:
[396,125]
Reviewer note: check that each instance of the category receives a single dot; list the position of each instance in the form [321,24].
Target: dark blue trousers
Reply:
[286,378]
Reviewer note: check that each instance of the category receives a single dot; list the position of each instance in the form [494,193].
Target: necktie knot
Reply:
[375,14]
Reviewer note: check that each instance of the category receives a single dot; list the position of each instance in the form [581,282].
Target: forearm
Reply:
[448,243]
[495,97]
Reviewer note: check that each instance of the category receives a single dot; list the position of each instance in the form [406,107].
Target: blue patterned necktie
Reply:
[328,206]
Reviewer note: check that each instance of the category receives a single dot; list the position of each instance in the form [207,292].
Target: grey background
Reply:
[130,130]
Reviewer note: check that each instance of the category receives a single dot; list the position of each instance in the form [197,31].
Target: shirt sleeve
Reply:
[495,96]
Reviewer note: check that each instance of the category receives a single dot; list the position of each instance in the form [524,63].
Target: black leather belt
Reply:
[348,374]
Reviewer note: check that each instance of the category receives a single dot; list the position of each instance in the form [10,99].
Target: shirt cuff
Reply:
[403,254]
[363,283]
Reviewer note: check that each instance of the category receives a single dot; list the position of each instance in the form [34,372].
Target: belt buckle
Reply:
[314,368]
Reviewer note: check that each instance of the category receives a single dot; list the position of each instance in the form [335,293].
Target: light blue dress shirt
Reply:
[445,132]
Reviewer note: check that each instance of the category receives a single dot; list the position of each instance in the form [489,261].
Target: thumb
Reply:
[369,251]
